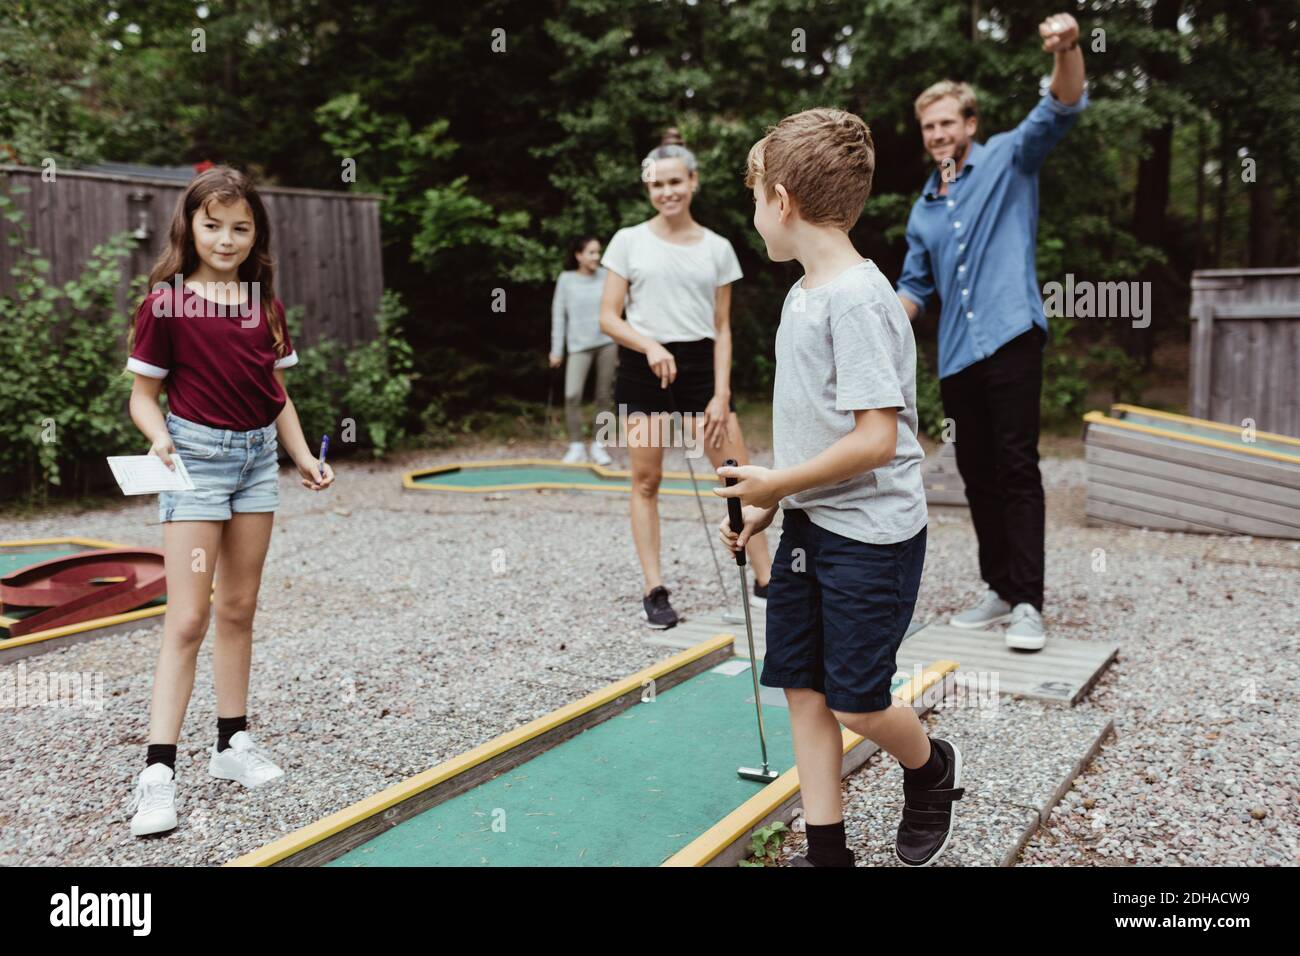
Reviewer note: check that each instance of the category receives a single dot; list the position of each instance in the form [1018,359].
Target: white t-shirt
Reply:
[672,289]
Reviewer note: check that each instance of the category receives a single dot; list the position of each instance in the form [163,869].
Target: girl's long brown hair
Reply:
[223,185]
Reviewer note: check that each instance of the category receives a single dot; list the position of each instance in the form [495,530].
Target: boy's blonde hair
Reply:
[824,158]
[961,92]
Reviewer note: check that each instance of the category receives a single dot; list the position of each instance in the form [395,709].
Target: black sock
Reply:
[929,773]
[161,753]
[227,727]
[827,845]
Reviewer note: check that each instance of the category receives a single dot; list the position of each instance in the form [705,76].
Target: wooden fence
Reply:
[1246,348]
[326,244]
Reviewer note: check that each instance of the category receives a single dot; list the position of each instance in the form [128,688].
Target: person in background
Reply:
[575,328]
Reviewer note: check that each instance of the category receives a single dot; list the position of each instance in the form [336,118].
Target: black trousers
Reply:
[994,407]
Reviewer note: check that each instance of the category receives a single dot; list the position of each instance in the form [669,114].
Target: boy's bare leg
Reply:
[896,730]
[819,755]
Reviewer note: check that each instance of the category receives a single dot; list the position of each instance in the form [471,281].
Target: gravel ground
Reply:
[396,629]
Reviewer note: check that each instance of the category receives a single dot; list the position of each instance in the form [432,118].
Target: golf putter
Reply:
[766,775]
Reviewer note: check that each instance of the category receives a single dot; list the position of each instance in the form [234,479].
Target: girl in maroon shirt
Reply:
[213,335]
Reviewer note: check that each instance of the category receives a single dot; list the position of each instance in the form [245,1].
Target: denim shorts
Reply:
[837,610]
[232,472]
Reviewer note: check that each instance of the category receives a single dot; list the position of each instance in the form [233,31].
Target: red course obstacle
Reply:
[83,587]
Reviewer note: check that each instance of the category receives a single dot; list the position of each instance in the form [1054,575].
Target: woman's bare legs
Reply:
[646,455]
[243,552]
[190,549]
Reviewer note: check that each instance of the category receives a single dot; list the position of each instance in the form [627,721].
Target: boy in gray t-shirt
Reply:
[847,476]
[842,346]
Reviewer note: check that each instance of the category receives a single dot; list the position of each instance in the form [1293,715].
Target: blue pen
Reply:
[324,450]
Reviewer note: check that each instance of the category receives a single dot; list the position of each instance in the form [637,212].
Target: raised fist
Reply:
[1059,32]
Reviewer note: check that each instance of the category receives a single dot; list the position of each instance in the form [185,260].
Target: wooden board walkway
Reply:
[1061,673]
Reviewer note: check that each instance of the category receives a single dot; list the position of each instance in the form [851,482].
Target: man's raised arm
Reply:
[1060,35]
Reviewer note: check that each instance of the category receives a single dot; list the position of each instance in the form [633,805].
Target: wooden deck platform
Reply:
[1061,673]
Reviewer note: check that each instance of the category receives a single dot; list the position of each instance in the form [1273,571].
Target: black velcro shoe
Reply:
[656,610]
[928,812]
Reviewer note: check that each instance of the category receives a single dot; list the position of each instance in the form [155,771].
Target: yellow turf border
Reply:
[1101,418]
[57,632]
[409,478]
[314,833]
[740,822]
[1204,423]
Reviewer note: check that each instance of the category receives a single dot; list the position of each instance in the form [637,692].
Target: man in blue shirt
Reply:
[971,241]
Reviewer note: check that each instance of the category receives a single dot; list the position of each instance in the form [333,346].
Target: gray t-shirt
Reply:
[843,346]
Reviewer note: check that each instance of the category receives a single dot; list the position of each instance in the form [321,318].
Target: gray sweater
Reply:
[575,312]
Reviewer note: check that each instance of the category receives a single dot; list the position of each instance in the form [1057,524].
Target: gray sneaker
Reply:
[990,610]
[1026,630]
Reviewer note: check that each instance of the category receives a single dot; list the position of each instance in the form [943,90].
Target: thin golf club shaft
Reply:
[704,520]
[753,669]
[550,392]
[735,517]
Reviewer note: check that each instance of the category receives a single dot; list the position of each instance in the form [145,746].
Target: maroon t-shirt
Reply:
[218,365]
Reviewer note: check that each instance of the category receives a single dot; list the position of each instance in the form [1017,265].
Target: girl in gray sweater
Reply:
[575,326]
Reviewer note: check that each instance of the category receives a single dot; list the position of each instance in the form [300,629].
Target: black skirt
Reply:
[637,387]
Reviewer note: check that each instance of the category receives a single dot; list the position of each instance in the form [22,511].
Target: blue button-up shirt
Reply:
[975,247]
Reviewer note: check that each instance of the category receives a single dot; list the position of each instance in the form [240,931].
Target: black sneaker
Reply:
[759,600]
[656,610]
[928,812]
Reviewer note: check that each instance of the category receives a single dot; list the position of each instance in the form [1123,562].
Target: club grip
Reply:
[733,512]
[733,504]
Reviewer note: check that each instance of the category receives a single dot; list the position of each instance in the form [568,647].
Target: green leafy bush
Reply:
[63,397]
[359,395]
[929,406]
[1064,384]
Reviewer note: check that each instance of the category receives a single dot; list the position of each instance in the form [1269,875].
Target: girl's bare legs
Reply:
[733,446]
[243,552]
[190,551]
[646,455]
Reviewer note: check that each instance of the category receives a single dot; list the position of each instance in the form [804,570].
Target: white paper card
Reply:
[147,475]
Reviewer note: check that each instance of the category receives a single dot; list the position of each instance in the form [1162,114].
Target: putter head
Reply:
[753,773]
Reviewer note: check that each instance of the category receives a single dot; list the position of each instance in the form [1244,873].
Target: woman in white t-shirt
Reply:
[674,356]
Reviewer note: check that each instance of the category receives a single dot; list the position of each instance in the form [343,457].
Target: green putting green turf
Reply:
[630,791]
[539,474]
[1200,431]
[15,559]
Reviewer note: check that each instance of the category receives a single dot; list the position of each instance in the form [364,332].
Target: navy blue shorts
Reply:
[837,610]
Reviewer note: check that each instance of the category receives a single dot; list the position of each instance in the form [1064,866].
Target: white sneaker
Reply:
[990,610]
[575,453]
[1026,630]
[154,801]
[599,455]
[244,761]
